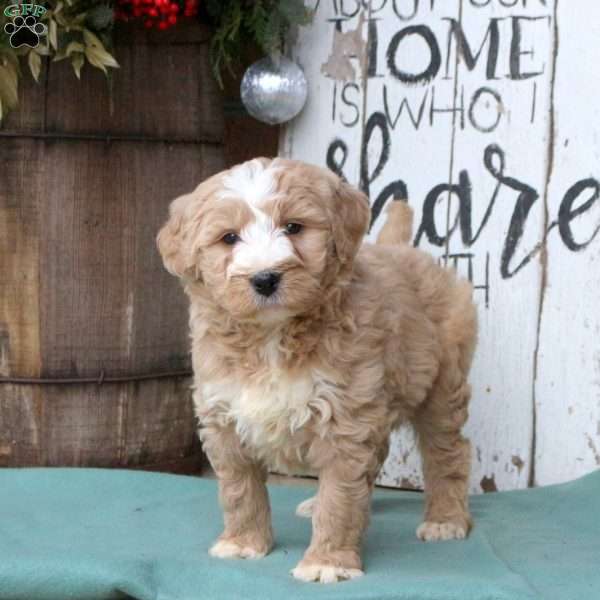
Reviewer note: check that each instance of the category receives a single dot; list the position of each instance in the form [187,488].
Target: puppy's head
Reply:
[266,237]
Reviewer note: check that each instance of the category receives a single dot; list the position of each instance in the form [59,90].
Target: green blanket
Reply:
[87,534]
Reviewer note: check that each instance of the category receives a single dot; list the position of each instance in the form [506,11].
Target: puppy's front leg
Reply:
[243,495]
[340,516]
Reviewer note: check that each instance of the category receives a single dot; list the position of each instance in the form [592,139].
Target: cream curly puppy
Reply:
[309,347]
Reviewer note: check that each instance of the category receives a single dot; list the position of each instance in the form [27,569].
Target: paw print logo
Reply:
[25,31]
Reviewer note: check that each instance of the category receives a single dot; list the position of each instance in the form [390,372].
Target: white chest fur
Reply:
[267,410]
[271,409]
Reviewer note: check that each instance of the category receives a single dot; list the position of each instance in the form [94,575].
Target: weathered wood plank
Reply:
[20,420]
[30,116]
[126,425]
[333,55]
[170,433]
[496,180]
[84,289]
[19,252]
[410,127]
[567,391]
[108,303]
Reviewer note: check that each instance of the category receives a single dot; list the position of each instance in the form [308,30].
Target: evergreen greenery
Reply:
[238,23]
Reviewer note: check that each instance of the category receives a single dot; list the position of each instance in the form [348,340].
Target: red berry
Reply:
[148,23]
[163,25]
[172,19]
[153,12]
[174,9]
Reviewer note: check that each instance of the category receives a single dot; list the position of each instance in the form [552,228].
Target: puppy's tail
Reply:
[398,225]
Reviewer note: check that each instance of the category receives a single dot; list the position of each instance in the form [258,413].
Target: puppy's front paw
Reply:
[324,573]
[234,549]
[432,531]
[305,509]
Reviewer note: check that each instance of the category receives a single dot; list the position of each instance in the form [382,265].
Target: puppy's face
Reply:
[265,236]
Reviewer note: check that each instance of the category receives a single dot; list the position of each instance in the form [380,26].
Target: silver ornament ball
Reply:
[274,90]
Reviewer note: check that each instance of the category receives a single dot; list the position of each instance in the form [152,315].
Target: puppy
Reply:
[309,347]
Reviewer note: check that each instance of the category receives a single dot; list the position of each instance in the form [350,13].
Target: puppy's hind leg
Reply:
[305,509]
[446,459]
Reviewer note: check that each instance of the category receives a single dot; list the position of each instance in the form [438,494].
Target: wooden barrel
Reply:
[87,311]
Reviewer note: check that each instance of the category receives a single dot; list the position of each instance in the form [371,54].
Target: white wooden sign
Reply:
[484,115]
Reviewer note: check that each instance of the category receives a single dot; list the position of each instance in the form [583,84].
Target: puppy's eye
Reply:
[293,228]
[230,238]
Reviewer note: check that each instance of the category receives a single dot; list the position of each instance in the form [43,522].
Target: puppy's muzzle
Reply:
[266,282]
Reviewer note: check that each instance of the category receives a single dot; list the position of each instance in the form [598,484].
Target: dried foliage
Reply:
[79,31]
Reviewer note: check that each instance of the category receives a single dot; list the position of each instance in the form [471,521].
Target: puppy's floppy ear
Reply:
[172,240]
[352,214]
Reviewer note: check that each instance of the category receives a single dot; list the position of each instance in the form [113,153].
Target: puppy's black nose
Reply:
[265,282]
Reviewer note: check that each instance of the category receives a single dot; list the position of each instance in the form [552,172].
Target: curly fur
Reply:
[358,339]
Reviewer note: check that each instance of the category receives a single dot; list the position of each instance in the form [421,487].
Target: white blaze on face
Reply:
[262,245]
[250,181]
